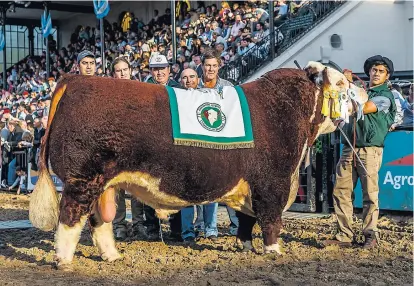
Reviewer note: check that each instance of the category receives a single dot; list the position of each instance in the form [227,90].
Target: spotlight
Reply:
[27,4]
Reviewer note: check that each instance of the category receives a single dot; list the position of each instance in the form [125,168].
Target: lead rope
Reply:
[354,142]
[354,133]
[353,149]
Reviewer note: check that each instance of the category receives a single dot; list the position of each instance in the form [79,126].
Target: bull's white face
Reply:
[338,92]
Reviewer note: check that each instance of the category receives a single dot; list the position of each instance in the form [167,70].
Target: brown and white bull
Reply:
[107,134]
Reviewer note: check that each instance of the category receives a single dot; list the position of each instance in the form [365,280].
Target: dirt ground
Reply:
[26,257]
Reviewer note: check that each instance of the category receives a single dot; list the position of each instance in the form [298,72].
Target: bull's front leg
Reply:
[102,233]
[271,232]
[269,208]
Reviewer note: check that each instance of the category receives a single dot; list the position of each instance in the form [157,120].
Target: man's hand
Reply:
[339,123]
[370,107]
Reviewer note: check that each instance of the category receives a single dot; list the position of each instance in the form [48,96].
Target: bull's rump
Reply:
[113,126]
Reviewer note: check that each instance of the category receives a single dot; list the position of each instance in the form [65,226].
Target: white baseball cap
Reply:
[158,61]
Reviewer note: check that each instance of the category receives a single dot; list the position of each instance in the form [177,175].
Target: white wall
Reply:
[369,28]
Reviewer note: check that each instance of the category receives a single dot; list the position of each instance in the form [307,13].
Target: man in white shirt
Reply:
[237,26]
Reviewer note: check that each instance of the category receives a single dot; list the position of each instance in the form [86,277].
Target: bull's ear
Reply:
[312,73]
[325,78]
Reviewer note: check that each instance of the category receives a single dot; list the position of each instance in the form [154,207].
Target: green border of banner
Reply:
[248,138]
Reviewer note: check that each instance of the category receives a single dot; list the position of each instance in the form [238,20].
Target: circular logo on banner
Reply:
[211,117]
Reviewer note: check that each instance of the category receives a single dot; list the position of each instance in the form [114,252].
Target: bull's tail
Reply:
[44,201]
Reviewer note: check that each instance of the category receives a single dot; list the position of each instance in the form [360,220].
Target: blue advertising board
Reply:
[396,178]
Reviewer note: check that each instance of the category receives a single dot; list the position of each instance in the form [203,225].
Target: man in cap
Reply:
[86,63]
[160,71]
[379,112]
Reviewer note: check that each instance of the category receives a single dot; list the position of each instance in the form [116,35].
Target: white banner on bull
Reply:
[197,115]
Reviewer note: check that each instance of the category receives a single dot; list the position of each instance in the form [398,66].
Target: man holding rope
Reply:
[368,136]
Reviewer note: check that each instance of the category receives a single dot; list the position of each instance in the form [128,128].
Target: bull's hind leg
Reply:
[244,232]
[103,237]
[66,239]
[72,219]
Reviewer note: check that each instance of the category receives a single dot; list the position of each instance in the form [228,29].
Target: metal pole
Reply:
[272,28]
[31,40]
[102,32]
[3,19]
[174,34]
[47,50]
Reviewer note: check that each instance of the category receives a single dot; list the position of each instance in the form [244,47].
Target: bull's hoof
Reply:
[274,248]
[247,246]
[64,266]
[110,257]
[244,246]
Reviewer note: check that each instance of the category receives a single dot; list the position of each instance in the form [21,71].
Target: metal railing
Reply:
[290,31]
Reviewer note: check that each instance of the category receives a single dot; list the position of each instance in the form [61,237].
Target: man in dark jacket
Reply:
[39,131]
[14,138]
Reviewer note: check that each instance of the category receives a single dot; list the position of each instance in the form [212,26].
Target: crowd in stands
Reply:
[231,29]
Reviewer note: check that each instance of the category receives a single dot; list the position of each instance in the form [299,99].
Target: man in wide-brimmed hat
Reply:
[370,132]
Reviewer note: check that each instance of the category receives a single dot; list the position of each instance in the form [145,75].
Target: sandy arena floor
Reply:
[26,257]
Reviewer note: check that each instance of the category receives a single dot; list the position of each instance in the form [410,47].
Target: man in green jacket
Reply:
[379,112]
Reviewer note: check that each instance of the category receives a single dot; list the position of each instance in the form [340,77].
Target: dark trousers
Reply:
[175,223]
[141,214]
